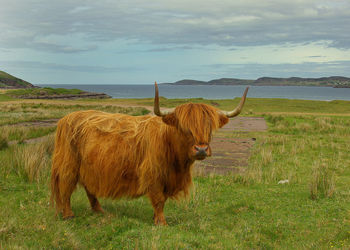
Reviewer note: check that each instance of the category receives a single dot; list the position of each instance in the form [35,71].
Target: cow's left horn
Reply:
[156,103]
[238,109]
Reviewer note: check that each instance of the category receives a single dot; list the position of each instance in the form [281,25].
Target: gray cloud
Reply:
[52,47]
[165,49]
[65,67]
[253,71]
[249,71]
[180,22]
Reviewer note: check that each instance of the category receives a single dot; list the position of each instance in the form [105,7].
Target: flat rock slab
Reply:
[230,155]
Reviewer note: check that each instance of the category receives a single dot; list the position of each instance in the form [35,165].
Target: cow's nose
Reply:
[201,151]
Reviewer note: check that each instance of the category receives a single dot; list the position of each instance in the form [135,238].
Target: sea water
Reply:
[214,91]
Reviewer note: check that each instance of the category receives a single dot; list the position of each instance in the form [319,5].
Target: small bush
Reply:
[3,142]
[266,156]
[274,119]
[322,182]
[142,112]
[33,161]
[304,127]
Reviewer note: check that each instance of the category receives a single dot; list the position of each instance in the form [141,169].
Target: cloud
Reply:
[176,22]
[52,47]
[253,71]
[66,67]
[166,49]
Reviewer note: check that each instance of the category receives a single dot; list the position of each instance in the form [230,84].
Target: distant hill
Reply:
[333,81]
[18,88]
[8,81]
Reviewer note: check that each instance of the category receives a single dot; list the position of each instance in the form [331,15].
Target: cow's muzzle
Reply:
[201,151]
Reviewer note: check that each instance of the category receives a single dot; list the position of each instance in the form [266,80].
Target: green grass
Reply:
[14,113]
[220,214]
[3,142]
[246,211]
[42,91]
[21,133]
[36,92]
[253,105]
[4,97]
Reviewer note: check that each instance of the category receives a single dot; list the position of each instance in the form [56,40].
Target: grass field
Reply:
[42,91]
[307,144]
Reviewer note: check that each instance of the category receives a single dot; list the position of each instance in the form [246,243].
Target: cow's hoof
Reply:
[160,223]
[68,217]
[98,210]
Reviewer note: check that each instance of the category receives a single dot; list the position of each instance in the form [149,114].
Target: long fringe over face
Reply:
[199,120]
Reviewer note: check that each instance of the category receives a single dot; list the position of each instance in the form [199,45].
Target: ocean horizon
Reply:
[124,91]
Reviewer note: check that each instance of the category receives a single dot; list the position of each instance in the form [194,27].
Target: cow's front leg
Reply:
[158,199]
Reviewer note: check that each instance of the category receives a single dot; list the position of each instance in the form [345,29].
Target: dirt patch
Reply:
[28,141]
[246,124]
[230,155]
[42,123]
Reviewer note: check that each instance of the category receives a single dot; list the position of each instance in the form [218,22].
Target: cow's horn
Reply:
[156,103]
[238,109]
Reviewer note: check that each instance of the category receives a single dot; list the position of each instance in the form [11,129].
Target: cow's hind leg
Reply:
[67,187]
[95,205]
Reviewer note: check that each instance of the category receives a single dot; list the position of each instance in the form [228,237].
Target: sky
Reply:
[139,41]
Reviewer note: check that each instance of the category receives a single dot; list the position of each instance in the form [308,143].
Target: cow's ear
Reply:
[223,120]
[170,119]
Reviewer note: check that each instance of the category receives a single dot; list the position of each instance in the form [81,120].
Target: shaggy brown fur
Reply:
[115,155]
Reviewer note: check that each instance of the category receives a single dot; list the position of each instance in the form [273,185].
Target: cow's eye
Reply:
[190,134]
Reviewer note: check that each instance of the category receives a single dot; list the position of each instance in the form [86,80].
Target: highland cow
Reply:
[117,155]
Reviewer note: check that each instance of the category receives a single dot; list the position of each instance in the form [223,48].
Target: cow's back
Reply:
[105,150]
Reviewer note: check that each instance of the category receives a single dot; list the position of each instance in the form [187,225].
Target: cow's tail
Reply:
[55,199]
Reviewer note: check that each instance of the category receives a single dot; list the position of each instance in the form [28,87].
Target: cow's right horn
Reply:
[156,103]
[238,109]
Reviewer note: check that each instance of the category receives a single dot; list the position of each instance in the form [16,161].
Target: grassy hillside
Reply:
[12,87]
[9,81]
[307,143]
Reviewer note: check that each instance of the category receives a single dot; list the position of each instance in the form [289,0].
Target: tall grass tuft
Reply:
[33,161]
[322,182]
[3,142]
